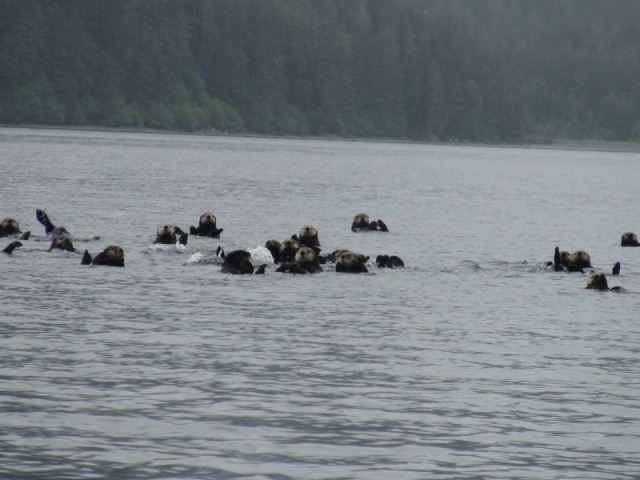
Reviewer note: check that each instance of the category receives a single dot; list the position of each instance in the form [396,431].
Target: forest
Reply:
[495,71]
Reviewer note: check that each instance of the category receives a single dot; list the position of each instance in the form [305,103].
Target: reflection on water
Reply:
[476,360]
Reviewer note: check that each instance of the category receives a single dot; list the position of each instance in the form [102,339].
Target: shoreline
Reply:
[579,145]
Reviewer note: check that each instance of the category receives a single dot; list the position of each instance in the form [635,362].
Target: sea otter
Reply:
[61,239]
[288,250]
[361,223]
[237,262]
[9,226]
[206,227]
[274,248]
[350,262]
[11,247]
[629,239]
[112,256]
[308,237]
[389,261]
[572,262]
[598,281]
[305,261]
[166,234]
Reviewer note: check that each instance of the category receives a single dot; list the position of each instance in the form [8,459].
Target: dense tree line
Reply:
[392,68]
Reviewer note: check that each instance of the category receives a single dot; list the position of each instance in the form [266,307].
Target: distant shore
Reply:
[585,145]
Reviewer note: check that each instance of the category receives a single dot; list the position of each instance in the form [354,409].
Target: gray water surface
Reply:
[475,361]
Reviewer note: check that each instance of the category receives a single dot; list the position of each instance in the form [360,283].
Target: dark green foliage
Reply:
[392,68]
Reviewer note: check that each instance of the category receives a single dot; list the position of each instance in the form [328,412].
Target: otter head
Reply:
[274,248]
[629,239]
[598,281]
[348,259]
[166,234]
[306,255]
[288,249]
[114,253]
[361,220]
[579,260]
[351,262]
[9,226]
[166,230]
[62,242]
[309,236]
[237,262]
[208,219]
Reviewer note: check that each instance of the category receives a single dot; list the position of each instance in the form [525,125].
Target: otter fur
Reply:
[350,262]
[61,239]
[11,247]
[9,226]
[49,227]
[62,242]
[305,261]
[274,248]
[629,239]
[361,223]
[238,262]
[288,250]
[308,237]
[206,227]
[112,256]
[598,281]
[166,234]
[389,261]
[572,262]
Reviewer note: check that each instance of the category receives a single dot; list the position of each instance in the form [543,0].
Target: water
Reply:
[475,361]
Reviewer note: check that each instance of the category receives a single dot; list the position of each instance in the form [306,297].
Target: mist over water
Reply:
[475,361]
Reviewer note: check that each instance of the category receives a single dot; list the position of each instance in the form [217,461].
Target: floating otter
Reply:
[288,250]
[61,239]
[166,234]
[350,262]
[62,242]
[572,262]
[629,239]
[206,227]
[237,262]
[361,223]
[308,237]
[11,247]
[274,248]
[9,226]
[306,261]
[307,258]
[112,256]
[598,281]
[389,261]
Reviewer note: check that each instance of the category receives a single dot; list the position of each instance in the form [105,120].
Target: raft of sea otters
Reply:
[298,254]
